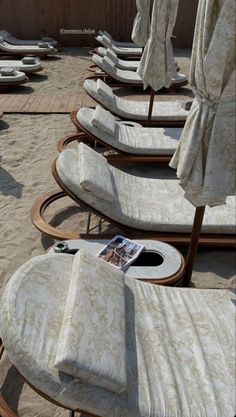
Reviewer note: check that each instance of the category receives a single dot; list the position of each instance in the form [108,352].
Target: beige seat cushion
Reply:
[154,204]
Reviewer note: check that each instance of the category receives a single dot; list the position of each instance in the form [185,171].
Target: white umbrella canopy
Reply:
[157,66]
[141,27]
[205,157]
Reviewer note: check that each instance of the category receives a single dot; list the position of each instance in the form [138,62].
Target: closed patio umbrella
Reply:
[205,157]
[157,66]
[141,27]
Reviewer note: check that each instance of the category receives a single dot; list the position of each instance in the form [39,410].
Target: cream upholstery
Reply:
[115,42]
[24,49]
[180,345]
[95,299]
[26,64]
[135,110]
[119,50]
[126,76]
[94,174]
[101,121]
[8,75]
[129,138]
[144,203]
[8,37]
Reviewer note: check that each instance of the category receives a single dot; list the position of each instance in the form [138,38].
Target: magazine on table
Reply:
[120,252]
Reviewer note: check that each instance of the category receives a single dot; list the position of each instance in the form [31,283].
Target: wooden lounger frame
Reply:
[112,82]
[176,239]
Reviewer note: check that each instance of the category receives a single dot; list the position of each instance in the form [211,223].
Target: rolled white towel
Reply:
[8,72]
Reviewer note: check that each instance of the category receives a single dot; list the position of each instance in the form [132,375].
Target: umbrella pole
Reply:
[192,251]
[150,107]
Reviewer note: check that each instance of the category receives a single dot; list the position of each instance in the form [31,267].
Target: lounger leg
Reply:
[88,222]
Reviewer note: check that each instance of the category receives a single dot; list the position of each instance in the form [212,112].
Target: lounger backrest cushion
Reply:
[8,72]
[92,344]
[43,45]
[107,41]
[1,39]
[104,120]
[108,64]
[29,60]
[112,56]
[94,173]
[105,91]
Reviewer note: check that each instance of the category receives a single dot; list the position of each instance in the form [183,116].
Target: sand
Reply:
[27,148]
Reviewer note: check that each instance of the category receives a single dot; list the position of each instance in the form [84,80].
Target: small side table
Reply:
[159,263]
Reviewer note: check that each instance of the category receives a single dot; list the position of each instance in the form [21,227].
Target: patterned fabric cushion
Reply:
[105,91]
[112,56]
[180,345]
[108,63]
[92,334]
[104,120]
[9,72]
[94,173]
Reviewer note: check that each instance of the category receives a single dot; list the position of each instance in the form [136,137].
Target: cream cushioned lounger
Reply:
[175,358]
[8,37]
[26,64]
[117,43]
[119,50]
[125,137]
[135,110]
[12,76]
[148,204]
[44,49]
[125,76]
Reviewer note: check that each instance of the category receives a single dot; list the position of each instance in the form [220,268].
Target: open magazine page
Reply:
[120,252]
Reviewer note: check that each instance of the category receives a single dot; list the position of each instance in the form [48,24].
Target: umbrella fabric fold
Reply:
[205,157]
[141,27]
[157,66]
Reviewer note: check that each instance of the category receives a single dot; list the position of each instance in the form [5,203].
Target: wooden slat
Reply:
[40,103]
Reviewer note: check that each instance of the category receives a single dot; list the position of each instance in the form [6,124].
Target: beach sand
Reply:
[27,148]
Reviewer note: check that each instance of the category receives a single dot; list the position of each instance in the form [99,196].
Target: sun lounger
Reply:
[113,346]
[42,49]
[117,43]
[10,77]
[8,37]
[120,63]
[119,78]
[124,51]
[26,64]
[165,113]
[132,141]
[152,207]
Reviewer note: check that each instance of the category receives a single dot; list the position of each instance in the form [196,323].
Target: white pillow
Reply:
[29,60]
[108,64]
[43,45]
[112,56]
[105,91]
[8,72]
[104,120]
[92,342]
[107,41]
[94,173]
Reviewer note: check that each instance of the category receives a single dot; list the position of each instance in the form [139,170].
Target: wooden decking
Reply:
[43,103]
